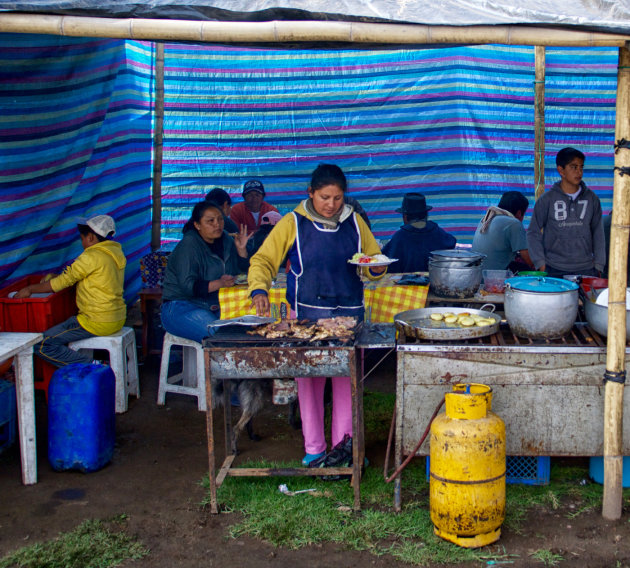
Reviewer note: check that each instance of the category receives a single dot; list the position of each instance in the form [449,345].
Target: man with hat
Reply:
[250,211]
[413,242]
[99,274]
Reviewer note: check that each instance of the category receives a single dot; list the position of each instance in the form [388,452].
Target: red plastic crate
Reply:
[36,315]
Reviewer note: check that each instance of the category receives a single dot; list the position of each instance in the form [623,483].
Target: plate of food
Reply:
[361,259]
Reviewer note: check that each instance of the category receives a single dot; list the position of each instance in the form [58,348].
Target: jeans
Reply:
[54,347]
[188,320]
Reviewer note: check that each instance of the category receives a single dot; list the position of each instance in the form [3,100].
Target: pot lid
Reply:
[457,254]
[543,284]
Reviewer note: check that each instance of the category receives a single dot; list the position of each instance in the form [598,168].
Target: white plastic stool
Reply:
[123,360]
[192,377]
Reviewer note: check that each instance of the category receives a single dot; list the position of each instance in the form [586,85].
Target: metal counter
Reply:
[549,393]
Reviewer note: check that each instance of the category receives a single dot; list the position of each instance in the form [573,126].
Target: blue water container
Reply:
[596,470]
[81,417]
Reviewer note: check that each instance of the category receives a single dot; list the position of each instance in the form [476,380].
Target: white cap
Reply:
[102,225]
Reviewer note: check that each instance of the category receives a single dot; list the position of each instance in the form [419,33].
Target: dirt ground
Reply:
[154,478]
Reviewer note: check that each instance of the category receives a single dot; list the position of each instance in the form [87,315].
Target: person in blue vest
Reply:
[413,242]
[319,237]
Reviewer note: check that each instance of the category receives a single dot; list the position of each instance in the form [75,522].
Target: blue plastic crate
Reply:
[8,414]
[524,470]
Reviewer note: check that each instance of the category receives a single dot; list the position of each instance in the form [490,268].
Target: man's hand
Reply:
[23,293]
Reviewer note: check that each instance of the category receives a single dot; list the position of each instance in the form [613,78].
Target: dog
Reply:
[251,396]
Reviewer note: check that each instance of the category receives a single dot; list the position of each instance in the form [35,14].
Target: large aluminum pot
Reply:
[460,255]
[454,282]
[597,317]
[540,307]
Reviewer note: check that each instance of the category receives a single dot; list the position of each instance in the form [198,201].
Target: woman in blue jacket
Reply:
[205,260]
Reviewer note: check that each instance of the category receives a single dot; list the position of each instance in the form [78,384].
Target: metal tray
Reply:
[418,323]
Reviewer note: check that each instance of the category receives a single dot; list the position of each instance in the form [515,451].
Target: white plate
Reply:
[243,320]
[378,263]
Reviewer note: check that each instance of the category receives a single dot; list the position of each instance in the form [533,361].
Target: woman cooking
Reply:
[318,237]
[205,260]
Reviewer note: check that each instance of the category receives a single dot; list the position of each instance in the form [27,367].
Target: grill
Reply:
[234,354]
[581,335]
[237,336]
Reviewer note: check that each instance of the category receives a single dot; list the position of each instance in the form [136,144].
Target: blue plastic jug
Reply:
[81,417]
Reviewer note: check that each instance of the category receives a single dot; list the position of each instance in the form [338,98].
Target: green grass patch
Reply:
[93,544]
[326,515]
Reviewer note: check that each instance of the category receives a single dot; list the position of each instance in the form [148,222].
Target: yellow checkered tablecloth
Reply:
[384,297]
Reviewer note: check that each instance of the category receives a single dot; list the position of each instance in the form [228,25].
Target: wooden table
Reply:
[150,298]
[20,346]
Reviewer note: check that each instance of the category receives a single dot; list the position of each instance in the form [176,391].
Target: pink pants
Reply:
[311,398]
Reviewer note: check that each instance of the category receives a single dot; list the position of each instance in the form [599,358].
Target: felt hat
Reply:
[253,185]
[103,225]
[414,205]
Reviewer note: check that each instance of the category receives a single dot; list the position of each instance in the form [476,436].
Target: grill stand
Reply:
[254,363]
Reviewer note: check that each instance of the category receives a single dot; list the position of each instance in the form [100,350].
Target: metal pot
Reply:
[597,317]
[453,281]
[540,307]
[458,255]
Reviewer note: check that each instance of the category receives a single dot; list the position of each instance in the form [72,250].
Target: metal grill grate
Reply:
[581,335]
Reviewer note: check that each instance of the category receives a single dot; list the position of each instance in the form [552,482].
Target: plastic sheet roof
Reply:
[596,15]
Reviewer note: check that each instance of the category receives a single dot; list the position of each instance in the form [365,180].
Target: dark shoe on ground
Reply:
[339,456]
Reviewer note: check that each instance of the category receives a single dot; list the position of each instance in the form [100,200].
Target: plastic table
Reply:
[20,346]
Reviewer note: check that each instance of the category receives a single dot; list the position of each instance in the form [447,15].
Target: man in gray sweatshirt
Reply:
[565,234]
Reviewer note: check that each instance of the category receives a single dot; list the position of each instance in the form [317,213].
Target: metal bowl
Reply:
[418,324]
[597,318]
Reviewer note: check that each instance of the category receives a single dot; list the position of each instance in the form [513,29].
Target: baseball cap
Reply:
[253,185]
[103,225]
[270,218]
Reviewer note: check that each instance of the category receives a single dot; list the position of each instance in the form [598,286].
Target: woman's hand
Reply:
[261,303]
[240,240]
[377,269]
[226,281]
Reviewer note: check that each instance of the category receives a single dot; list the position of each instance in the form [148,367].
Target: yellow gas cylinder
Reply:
[467,471]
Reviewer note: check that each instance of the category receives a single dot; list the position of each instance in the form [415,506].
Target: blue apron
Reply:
[324,284]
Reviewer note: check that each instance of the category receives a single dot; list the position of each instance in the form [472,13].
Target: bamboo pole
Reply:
[156,217]
[539,121]
[294,31]
[616,347]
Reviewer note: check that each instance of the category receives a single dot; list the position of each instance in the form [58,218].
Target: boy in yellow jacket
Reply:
[99,273]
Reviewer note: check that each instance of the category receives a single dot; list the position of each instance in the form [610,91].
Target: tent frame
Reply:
[422,35]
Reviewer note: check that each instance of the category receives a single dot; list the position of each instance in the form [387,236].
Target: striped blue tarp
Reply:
[75,140]
[454,123]
[457,123]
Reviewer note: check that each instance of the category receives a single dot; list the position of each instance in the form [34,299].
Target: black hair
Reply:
[328,174]
[197,213]
[514,201]
[219,196]
[85,230]
[564,156]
